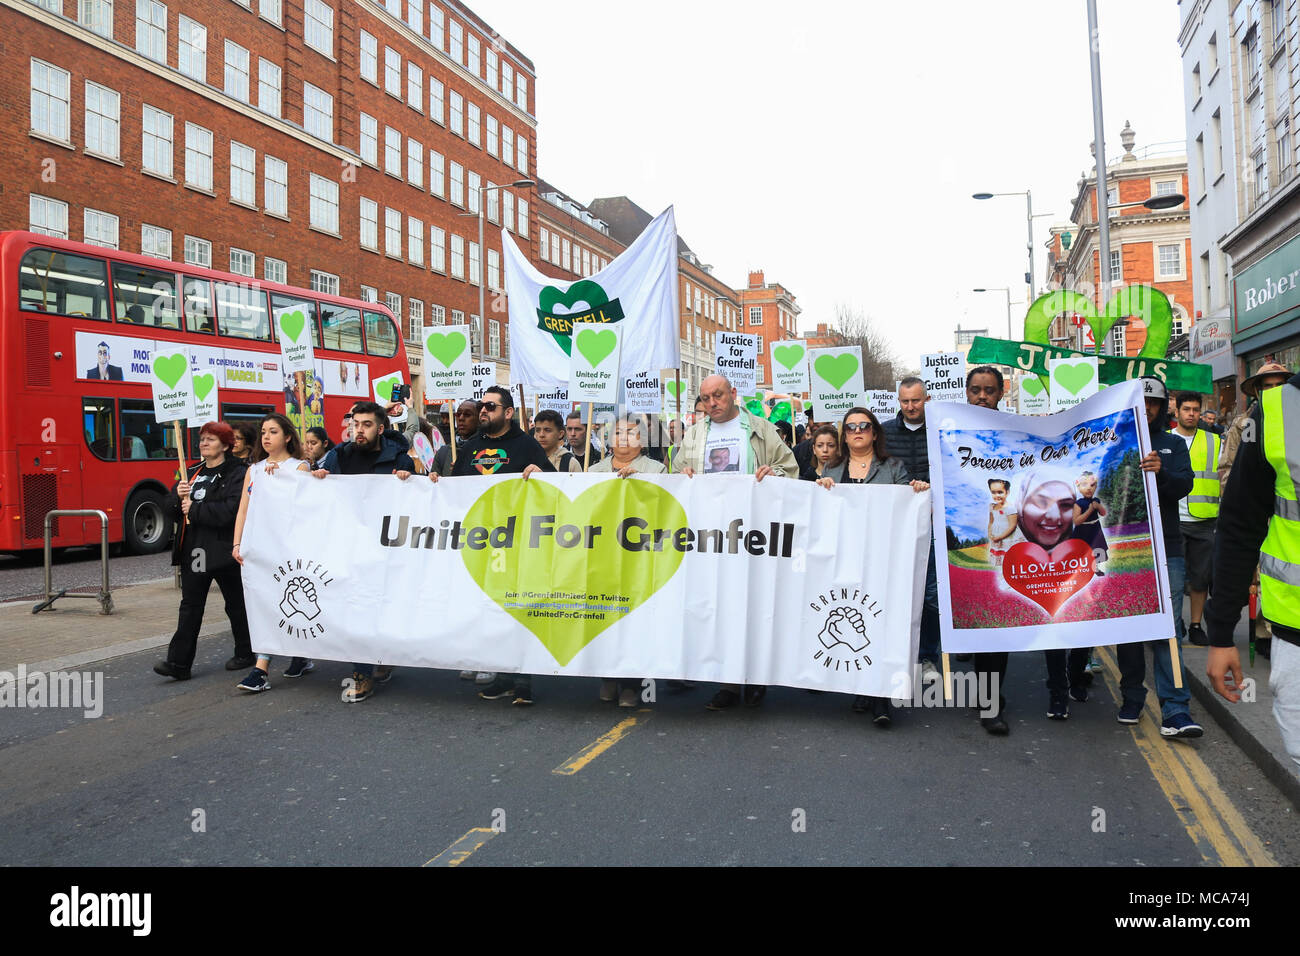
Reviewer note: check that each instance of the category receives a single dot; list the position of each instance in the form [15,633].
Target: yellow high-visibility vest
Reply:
[1279,556]
[1203,502]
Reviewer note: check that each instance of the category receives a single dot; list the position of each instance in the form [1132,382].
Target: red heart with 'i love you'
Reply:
[1049,579]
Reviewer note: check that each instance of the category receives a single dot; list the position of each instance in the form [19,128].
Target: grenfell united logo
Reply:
[303,581]
[845,615]
[585,301]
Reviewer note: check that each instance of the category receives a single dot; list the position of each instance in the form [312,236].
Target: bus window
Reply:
[97,421]
[342,327]
[198,305]
[381,335]
[241,311]
[142,437]
[233,414]
[145,296]
[307,306]
[67,285]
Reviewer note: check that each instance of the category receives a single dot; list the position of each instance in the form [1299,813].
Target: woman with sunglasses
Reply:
[863,460]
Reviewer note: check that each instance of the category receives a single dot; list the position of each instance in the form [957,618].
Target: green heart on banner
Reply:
[585,293]
[835,370]
[169,368]
[1141,301]
[292,323]
[203,385]
[788,355]
[1033,386]
[1073,377]
[674,387]
[604,570]
[384,388]
[597,346]
[445,347]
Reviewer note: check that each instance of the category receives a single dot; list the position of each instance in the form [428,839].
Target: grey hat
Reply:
[1154,388]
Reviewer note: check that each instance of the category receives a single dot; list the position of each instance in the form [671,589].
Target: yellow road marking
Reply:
[598,746]
[1218,829]
[459,852]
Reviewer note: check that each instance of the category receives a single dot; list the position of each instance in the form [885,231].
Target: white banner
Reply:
[172,384]
[789,364]
[1070,381]
[709,579]
[383,386]
[944,374]
[447,363]
[737,358]
[593,362]
[556,400]
[483,375]
[883,403]
[640,394]
[638,290]
[207,394]
[836,379]
[293,328]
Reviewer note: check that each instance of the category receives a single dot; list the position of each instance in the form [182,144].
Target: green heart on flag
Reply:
[585,293]
[605,569]
[292,323]
[596,346]
[170,369]
[384,388]
[1073,376]
[203,385]
[445,347]
[788,355]
[1033,386]
[835,370]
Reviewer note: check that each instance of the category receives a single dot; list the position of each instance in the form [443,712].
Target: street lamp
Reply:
[1008,292]
[482,251]
[1029,220]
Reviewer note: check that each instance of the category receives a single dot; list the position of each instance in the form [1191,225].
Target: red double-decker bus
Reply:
[77,326]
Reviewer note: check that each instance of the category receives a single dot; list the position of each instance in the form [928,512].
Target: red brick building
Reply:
[769,311]
[341,146]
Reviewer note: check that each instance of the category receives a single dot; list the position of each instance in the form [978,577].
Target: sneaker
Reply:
[1058,708]
[362,687]
[1180,725]
[929,673]
[861,704]
[754,695]
[383,674]
[1129,713]
[255,681]
[501,687]
[628,697]
[723,699]
[609,691]
[484,677]
[299,666]
[997,726]
[1079,694]
[1094,664]
[467,675]
[238,663]
[963,657]
[174,671]
[523,694]
[681,685]
[881,713]
[1196,635]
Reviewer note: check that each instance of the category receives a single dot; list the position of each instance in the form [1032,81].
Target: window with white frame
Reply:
[437,96]
[369,294]
[474,50]
[494,338]
[369,224]
[151,29]
[1176,323]
[324,204]
[475,332]
[456,41]
[392,233]
[475,264]
[508,209]
[1167,187]
[49,217]
[493,73]
[318,113]
[437,174]
[415,240]
[414,86]
[437,27]
[437,314]
[192,49]
[275,270]
[457,114]
[236,71]
[493,203]
[415,328]
[156,142]
[555,250]
[155,241]
[198,156]
[392,152]
[369,139]
[438,250]
[522,221]
[1112,200]
[760,346]
[458,185]
[755,315]
[1116,265]
[521,92]
[507,81]
[521,153]
[242,262]
[271,10]
[507,146]
[324,282]
[369,58]
[1285,153]
[392,72]
[51,92]
[494,270]
[95,14]
[473,124]
[1171,259]
[493,136]
[544,243]
[100,229]
[243,174]
[198,252]
[103,120]
[268,87]
[318,27]
[1117,344]
[457,257]
[565,250]
[415,163]
[415,15]
[472,189]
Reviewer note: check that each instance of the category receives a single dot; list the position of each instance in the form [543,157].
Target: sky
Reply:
[836,146]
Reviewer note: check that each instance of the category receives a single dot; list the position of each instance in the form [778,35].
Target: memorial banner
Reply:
[709,579]
[1016,572]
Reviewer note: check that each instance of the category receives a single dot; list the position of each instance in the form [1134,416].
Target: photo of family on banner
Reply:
[1050,528]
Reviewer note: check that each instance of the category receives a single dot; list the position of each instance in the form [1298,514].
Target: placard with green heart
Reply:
[674,387]
[836,370]
[292,324]
[384,389]
[788,355]
[170,368]
[602,575]
[445,347]
[1073,377]
[203,384]
[596,346]
[1033,386]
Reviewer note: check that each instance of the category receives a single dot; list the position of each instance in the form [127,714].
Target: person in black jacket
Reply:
[1172,466]
[205,505]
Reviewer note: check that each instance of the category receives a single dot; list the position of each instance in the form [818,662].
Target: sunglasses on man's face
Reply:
[488,406]
[858,427]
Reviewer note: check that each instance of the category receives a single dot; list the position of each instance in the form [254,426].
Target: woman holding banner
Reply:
[279,448]
[864,460]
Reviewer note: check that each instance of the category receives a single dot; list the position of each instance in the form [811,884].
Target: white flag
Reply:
[638,289]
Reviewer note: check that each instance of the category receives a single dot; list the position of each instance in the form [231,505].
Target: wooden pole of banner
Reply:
[523,410]
[180,454]
[586,457]
[300,380]
[1176,661]
[452,401]
[677,377]
[947,679]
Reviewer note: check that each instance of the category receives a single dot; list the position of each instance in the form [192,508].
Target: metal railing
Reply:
[104,597]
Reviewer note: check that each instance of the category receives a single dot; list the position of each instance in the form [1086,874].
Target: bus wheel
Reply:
[147,530]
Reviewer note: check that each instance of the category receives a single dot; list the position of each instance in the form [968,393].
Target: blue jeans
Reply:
[928,648]
[1132,657]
